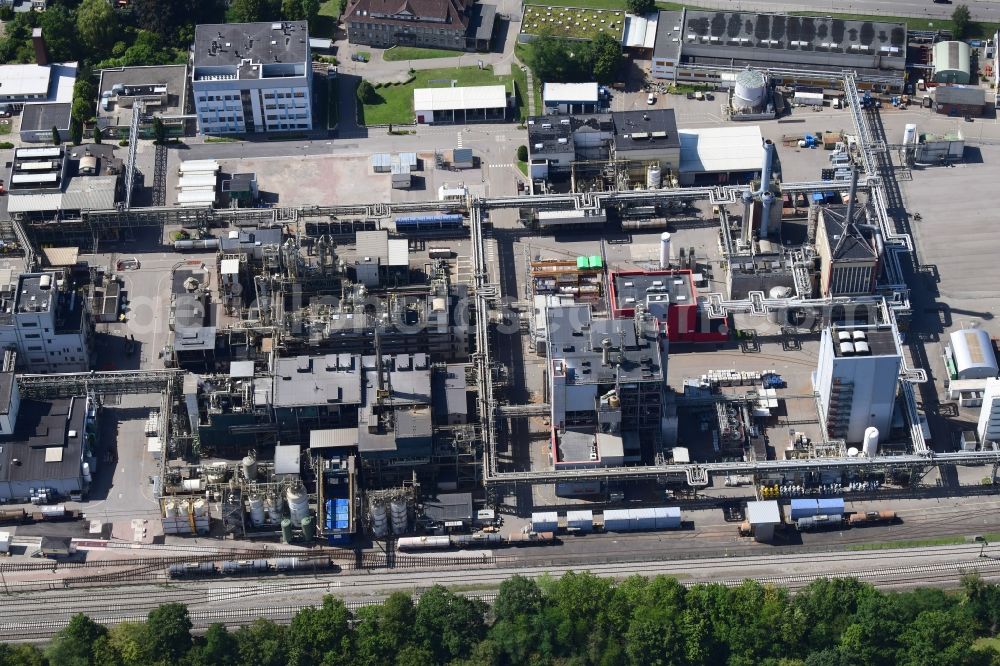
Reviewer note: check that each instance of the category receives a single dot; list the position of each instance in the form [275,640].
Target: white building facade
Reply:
[989,416]
[252,77]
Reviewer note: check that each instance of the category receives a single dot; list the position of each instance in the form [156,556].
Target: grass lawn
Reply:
[326,19]
[921,543]
[523,53]
[5,126]
[987,642]
[572,21]
[398,53]
[395,103]
[523,167]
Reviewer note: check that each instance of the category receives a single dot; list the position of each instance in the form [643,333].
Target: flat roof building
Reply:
[20,84]
[570,98]
[952,62]
[162,90]
[38,119]
[460,104]
[252,77]
[719,150]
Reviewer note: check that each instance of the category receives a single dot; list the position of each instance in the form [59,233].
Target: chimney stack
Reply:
[41,54]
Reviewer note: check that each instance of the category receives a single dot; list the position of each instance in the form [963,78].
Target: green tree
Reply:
[447,624]
[169,632]
[291,10]
[250,11]
[21,655]
[550,59]
[97,135]
[382,631]
[216,648]
[366,93]
[164,17]
[127,645]
[343,6]
[961,18]
[59,31]
[936,638]
[76,132]
[97,25]
[310,10]
[56,139]
[607,58]
[640,7]
[159,131]
[261,643]
[522,153]
[517,628]
[320,635]
[73,645]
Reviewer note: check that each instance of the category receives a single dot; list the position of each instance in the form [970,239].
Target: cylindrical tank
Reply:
[250,467]
[216,472]
[286,530]
[272,514]
[200,508]
[193,485]
[380,522]
[184,508]
[308,528]
[398,513]
[750,92]
[256,511]
[665,250]
[853,452]
[170,509]
[298,505]
[870,445]
[653,176]
[779,316]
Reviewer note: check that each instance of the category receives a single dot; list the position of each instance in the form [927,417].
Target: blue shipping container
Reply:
[831,505]
[802,508]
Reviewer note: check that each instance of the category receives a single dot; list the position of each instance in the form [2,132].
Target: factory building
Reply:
[849,248]
[252,77]
[856,379]
[989,416]
[671,297]
[707,46]
[605,386]
[44,445]
[38,119]
[719,154]
[951,63]
[463,104]
[959,100]
[970,355]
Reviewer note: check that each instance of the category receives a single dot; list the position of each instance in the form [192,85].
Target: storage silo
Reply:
[399,514]
[779,316]
[750,93]
[870,445]
[256,511]
[380,521]
[298,505]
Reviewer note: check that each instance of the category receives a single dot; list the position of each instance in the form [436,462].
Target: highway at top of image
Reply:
[38,615]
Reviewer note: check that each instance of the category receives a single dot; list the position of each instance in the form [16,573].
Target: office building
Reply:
[160,91]
[443,24]
[856,379]
[252,77]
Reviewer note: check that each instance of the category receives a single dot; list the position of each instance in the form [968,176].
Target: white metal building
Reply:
[972,351]
[763,518]
[989,416]
[198,183]
[36,83]
[856,379]
[721,150]
[570,97]
[252,77]
[460,104]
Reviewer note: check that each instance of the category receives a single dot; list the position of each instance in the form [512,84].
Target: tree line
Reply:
[576,620]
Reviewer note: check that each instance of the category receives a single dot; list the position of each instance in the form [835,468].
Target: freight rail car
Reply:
[258,566]
[472,540]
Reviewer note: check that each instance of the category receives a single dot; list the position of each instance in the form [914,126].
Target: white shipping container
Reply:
[580,520]
[4,542]
[667,517]
[642,519]
[545,521]
[617,520]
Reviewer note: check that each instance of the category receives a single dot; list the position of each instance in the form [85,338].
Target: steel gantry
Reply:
[122,382]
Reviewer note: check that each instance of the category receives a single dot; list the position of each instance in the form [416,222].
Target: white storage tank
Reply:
[380,520]
[870,445]
[399,514]
[298,505]
[653,176]
[193,485]
[200,508]
[779,315]
[170,509]
[250,467]
[256,511]
[665,250]
[750,93]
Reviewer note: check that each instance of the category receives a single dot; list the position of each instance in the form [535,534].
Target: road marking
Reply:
[459,139]
[502,166]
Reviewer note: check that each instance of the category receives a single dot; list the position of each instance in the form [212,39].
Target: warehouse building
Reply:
[712,46]
[644,137]
[252,77]
[959,100]
[39,119]
[952,63]
[723,153]
[970,355]
[460,105]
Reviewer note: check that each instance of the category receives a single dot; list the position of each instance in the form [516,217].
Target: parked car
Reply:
[650,98]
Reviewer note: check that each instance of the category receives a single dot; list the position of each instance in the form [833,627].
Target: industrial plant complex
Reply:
[719,286]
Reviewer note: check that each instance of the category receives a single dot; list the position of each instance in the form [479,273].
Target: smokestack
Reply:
[606,352]
[41,54]
[665,250]
[853,195]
